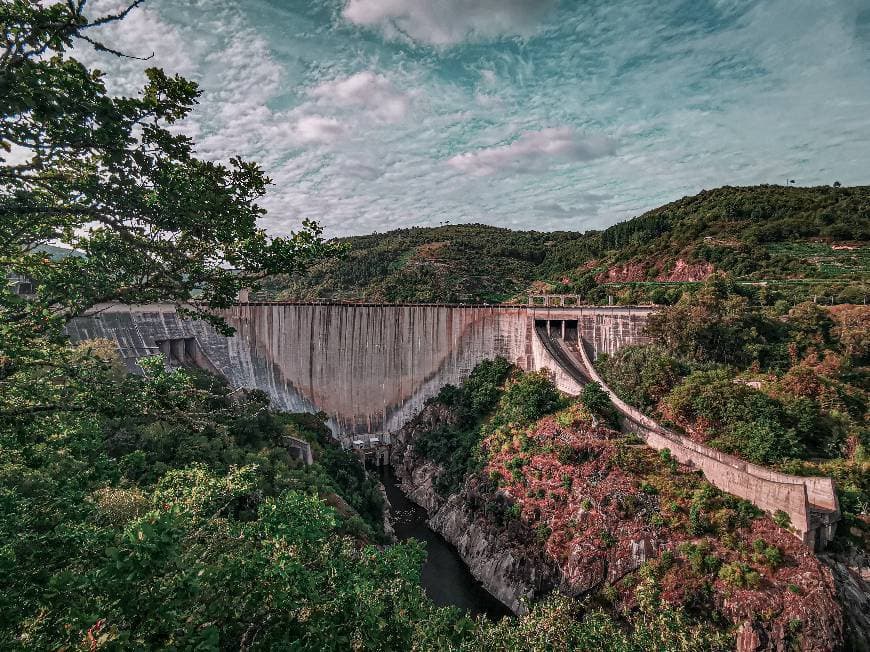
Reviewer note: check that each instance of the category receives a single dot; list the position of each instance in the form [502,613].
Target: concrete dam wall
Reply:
[370,368]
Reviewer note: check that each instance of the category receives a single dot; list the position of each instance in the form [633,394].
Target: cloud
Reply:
[367,90]
[356,132]
[534,151]
[318,129]
[448,22]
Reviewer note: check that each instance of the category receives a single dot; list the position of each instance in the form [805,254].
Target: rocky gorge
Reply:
[568,505]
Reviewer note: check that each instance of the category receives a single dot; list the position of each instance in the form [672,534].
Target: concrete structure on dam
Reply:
[371,367]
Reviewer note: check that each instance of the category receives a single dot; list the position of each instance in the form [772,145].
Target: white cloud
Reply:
[755,93]
[16,155]
[534,151]
[368,90]
[447,22]
[318,129]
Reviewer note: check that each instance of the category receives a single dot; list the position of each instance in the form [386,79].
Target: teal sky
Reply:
[377,114]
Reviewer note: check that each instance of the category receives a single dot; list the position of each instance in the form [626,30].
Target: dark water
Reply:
[445,577]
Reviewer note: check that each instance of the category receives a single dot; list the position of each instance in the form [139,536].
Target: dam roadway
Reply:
[371,367]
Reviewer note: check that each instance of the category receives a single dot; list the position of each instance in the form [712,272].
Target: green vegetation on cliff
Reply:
[775,385]
[571,499]
[813,240]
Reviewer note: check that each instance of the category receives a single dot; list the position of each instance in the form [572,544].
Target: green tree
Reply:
[598,402]
[713,325]
[737,418]
[526,400]
[108,177]
[641,375]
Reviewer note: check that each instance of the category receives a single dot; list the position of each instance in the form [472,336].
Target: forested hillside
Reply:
[812,240]
[546,474]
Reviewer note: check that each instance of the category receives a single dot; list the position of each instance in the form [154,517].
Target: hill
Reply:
[812,241]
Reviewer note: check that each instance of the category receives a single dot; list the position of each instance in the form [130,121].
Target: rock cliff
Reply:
[567,506]
[497,557]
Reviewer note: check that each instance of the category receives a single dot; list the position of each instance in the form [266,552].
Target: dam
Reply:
[370,368]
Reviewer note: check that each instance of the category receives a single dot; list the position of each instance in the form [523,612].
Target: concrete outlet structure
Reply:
[371,367]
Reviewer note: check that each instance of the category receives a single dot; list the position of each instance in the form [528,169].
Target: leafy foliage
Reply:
[777,386]
[641,375]
[597,401]
[746,421]
[715,324]
[110,178]
[455,446]
[526,400]
[559,623]
[181,519]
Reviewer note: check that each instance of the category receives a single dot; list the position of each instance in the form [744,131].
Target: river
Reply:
[445,577]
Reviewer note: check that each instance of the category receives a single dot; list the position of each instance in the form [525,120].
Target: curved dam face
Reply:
[370,368]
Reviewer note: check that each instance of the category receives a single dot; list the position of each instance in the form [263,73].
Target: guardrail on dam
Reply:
[371,367]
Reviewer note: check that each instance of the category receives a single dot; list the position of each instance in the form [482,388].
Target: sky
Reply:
[370,115]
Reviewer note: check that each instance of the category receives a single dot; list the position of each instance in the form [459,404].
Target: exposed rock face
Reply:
[563,506]
[623,273]
[498,557]
[640,271]
[504,566]
[684,271]
[509,558]
[852,578]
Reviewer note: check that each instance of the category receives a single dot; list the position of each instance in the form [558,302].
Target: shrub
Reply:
[698,523]
[745,421]
[610,594]
[527,399]
[739,575]
[700,557]
[597,401]
[765,554]
[607,538]
[731,574]
[782,519]
[642,375]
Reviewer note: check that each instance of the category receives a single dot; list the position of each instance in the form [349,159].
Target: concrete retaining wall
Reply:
[766,489]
